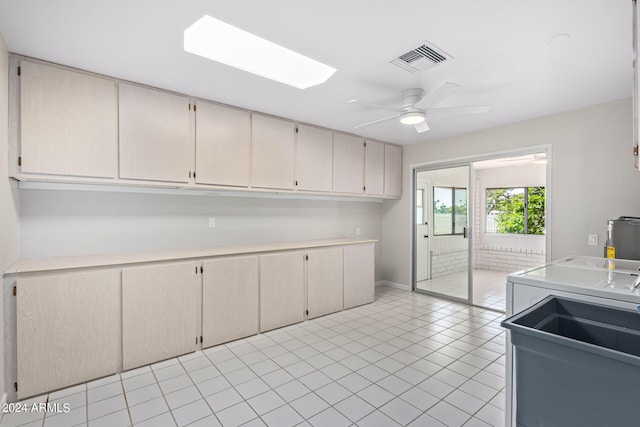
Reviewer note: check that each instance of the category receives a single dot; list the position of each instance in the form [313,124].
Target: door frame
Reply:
[427,215]
[414,274]
[468,160]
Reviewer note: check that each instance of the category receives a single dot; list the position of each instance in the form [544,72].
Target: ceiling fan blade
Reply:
[373,105]
[443,91]
[376,121]
[471,109]
[422,127]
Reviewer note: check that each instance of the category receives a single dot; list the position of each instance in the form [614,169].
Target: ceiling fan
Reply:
[418,105]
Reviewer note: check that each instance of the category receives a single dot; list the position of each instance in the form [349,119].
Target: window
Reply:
[449,210]
[517,210]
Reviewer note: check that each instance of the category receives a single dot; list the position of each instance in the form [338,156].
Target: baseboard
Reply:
[393,285]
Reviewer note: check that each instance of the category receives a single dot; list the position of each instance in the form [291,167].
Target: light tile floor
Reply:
[489,287]
[406,359]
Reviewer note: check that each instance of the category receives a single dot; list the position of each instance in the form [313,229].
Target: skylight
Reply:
[221,42]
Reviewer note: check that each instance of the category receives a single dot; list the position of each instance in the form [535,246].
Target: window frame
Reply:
[420,219]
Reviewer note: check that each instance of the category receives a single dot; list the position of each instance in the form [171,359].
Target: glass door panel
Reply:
[441,244]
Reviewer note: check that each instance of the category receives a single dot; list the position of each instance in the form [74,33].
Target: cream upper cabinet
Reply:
[359,274]
[374,168]
[392,170]
[324,281]
[223,145]
[230,299]
[281,289]
[272,152]
[69,329]
[158,312]
[314,159]
[156,135]
[68,122]
[348,164]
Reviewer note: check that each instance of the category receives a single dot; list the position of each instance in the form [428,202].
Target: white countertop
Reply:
[109,260]
[586,275]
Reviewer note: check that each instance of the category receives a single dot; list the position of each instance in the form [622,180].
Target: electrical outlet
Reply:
[357,231]
[593,240]
[212,223]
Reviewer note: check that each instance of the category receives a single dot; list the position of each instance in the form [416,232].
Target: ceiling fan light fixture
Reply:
[412,118]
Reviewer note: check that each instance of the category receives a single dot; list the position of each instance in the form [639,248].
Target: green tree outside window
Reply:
[516,210]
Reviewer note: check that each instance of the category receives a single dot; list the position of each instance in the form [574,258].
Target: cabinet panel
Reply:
[392,171]
[374,168]
[281,289]
[158,312]
[68,329]
[223,145]
[272,152]
[314,158]
[229,299]
[325,282]
[348,164]
[68,122]
[156,138]
[359,274]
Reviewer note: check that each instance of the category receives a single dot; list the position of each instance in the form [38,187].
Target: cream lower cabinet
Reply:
[68,329]
[158,312]
[230,299]
[324,281]
[359,274]
[281,289]
[75,327]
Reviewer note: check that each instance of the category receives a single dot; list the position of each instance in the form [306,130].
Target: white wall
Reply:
[592,180]
[9,241]
[67,223]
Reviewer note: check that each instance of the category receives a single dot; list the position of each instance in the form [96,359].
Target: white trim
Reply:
[393,285]
[4,399]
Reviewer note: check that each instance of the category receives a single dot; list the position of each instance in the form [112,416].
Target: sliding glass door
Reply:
[441,231]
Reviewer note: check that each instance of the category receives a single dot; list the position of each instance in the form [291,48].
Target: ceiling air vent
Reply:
[424,56]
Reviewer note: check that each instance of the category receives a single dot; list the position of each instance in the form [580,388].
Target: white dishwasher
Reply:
[605,281]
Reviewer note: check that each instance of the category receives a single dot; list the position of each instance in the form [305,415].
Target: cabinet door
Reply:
[272,152]
[374,168]
[223,145]
[158,312]
[359,274]
[229,299]
[324,282]
[314,158]
[348,164]
[68,122]
[281,289]
[392,170]
[68,329]
[156,138]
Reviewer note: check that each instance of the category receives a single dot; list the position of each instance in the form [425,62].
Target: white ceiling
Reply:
[501,54]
